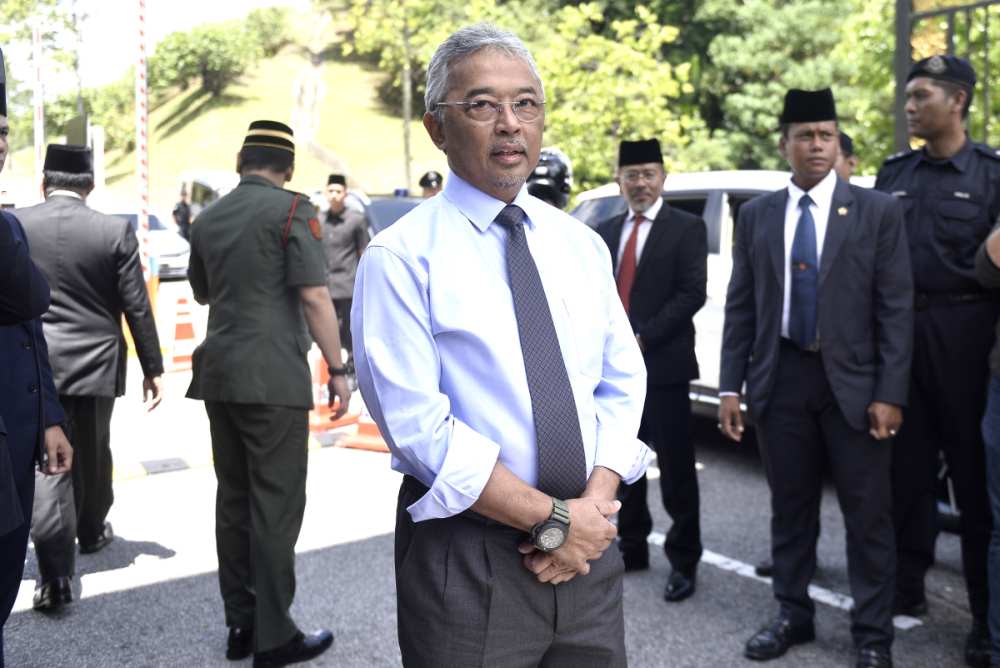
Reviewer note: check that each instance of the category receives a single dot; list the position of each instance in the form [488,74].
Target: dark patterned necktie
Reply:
[805,277]
[562,466]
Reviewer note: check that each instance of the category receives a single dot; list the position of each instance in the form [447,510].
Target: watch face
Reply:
[551,538]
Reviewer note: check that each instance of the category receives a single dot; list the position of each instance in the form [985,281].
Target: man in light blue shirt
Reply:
[494,354]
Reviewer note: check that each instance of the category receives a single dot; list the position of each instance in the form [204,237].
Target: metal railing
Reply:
[968,32]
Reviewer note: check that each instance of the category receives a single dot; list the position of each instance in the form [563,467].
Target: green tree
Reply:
[217,54]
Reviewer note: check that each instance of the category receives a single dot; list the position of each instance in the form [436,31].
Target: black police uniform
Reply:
[950,207]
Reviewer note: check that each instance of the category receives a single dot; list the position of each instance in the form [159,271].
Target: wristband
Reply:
[337,371]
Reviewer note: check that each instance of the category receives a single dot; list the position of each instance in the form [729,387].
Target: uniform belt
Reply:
[416,488]
[924,300]
[812,349]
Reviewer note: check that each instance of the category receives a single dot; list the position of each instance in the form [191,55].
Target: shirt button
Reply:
[33,388]
[27,345]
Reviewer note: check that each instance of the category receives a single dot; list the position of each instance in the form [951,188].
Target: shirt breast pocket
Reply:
[960,225]
[585,325]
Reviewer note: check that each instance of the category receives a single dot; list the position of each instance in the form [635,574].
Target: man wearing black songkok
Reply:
[819,326]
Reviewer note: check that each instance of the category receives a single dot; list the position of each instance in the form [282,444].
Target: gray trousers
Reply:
[464,598]
[53,526]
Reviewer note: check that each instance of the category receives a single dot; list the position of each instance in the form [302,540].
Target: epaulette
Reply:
[299,199]
[896,157]
[988,151]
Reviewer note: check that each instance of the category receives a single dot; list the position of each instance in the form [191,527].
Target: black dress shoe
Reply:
[679,587]
[298,649]
[764,569]
[977,645]
[103,540]
[52,595]
[874,657]
[635,560]
[240,643]
[774,639]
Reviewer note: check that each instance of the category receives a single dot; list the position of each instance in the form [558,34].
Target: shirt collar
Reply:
[482,209]
[960,160]
[651,213]
[66,193]
[821,193]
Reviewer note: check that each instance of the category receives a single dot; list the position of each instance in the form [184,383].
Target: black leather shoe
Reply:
[240,643]
[977,645]
[635,560]
[874,657]
[764,569]
[53,595]
[107,535]
[298,649]
[679,587]
[774,639]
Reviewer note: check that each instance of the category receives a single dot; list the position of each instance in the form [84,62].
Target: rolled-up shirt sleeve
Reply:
[619,398]
[399,370]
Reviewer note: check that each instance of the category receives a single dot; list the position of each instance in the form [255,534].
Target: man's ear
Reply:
[290,172]
[783,147]
[435,130]
[239,163]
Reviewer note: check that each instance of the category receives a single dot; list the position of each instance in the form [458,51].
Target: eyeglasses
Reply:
[647,175]
[525,109]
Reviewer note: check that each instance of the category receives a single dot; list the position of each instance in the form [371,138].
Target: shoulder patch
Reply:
[316,228]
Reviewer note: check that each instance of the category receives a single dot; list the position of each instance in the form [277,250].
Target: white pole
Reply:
[38,100]
[141,141]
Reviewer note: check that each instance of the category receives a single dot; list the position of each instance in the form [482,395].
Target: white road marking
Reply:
[817,593]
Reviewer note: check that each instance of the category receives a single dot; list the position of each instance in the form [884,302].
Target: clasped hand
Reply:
[590,533]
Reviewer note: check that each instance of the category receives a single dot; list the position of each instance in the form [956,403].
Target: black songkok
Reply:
[69,158]
[339,179]
[639,152]
[808,106]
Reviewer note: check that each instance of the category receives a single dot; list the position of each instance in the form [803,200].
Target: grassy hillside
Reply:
[194,131]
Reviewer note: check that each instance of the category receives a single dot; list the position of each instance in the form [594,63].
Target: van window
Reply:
[735,202]
[695,205]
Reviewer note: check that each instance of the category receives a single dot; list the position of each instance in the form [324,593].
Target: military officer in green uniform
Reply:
[257,261]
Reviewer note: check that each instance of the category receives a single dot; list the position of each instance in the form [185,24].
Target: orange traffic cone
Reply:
[184,339]
[319,416]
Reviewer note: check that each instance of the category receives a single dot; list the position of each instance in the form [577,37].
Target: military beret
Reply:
[270,134]
[339,179]
[639,152]
[68,158]
[945,68]
[431,179]
[808,106]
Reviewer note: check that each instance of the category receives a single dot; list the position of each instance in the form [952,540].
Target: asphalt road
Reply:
[151,597]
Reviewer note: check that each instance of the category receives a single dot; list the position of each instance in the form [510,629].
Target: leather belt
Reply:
[812,349]
[925,300]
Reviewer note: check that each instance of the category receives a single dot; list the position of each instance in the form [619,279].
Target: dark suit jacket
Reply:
[669,289]
[91,261]
[28,401]
[865,317]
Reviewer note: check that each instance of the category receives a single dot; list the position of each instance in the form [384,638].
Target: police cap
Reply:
[945,68]
[431,179]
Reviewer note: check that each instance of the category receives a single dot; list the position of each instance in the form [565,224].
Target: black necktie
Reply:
[562,467]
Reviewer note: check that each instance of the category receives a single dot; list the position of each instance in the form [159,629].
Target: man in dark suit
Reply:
[92,263]
[660,257]
[30,416]
[819,323]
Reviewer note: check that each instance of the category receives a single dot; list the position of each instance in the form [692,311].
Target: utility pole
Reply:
[407,97]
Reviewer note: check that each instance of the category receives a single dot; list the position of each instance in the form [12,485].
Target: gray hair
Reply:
[56,180]
[465,42]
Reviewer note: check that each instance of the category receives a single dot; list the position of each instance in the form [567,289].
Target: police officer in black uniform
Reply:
[950,190]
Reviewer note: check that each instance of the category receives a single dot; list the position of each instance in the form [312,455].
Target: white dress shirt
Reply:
[642,234]
[438,355]
[822,198]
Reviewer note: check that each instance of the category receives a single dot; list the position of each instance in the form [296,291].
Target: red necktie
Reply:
[626,270]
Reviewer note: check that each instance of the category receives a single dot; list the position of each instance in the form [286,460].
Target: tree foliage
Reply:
[216,54]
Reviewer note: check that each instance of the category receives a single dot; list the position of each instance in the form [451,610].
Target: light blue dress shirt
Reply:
[438,356]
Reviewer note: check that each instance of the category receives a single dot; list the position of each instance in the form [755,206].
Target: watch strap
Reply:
[560,511]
